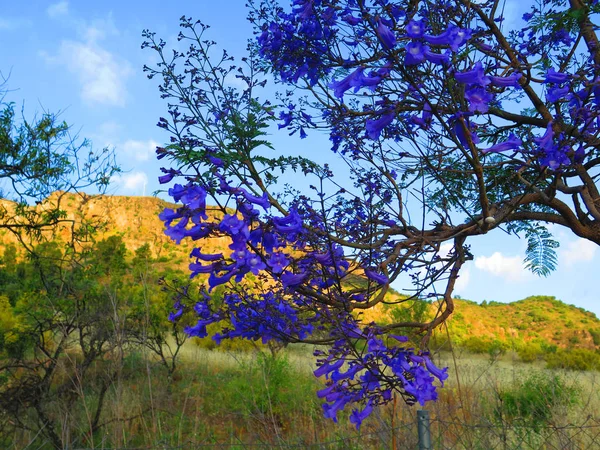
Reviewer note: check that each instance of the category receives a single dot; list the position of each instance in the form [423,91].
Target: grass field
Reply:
[251,398]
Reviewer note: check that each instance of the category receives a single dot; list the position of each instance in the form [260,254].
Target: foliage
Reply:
[540,256]
[38,158]
[533,400]
[573,359]
[492,347]
[530,352]
[435,108]
[66,323]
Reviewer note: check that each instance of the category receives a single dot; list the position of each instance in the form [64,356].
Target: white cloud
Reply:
[97,29]
[580,250]
[101,74]
[58,9]
[463,280]
[132,183]
[445,249]
[509,267]
[139,150]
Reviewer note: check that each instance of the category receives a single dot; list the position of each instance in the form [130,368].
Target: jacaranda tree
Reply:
[449,119]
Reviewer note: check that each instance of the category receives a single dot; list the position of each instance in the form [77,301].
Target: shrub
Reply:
[530,352]
[595,336]
[493,347]
[573,359]
[534,400]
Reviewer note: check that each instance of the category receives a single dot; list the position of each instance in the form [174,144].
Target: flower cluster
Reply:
[294,260]
[373,377]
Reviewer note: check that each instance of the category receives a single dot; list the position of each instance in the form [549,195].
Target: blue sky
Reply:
[84,59]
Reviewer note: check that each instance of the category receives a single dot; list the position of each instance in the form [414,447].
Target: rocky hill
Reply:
[534,319]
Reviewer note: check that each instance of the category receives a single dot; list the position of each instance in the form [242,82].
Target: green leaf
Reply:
[540,256]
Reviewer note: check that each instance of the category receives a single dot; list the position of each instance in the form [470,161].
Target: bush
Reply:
[530,352]
[493,347]
[270,386]
[573,359]
[534,400]
[595,336]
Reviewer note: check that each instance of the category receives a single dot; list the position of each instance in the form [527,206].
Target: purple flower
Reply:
[176,192]
[459,131]
[178,231]
[552,76]
[527,17]
[386,36]
[376,345]
[375,126]
[355,80]
[174,316]
[231,224]
[195,198]
[440,374]
[547,140]
[351,20]
[196,253]
[460,37]
[478,99]
[510,81]
[358,417]
[262,201]
[424,121]
[415,53]
[340,87]
[278,261]
[287,118]
[289,279]
[327,391]
[168,215]
[166,178]
[446,38]
[512,143]
[218,162]
[437,58]
[330,411]
[596,91]
[474,76]
[196,268]
[327,367]
[255,263]
[551,154]
[379,278]
[556,93]
[214,280]
[289,226]
[415,28]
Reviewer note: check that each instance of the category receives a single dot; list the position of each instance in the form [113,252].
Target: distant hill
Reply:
[537,319]
[135,219]
[541,320]
[533,319]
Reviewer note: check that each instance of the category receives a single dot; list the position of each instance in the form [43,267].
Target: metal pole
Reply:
[424,432]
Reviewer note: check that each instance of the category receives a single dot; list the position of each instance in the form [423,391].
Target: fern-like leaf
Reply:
[540,256]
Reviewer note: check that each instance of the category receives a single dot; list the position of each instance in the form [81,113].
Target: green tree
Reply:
[41,162]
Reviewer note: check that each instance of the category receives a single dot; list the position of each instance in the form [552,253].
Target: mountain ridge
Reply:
[135,219]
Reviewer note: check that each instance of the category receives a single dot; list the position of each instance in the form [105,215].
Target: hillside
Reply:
[135,219]
[535,319]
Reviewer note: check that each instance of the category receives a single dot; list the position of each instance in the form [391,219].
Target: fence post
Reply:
[424,432]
